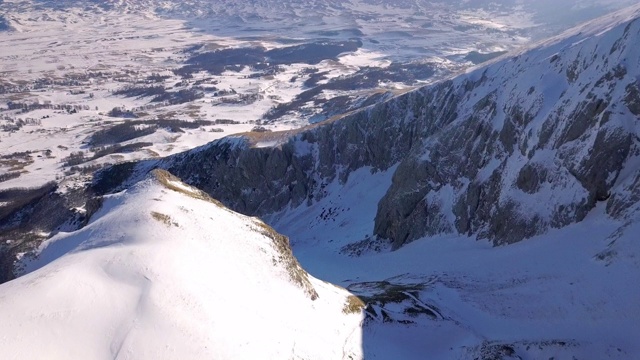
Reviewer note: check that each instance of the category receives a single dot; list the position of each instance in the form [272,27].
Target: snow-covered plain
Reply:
[73,53]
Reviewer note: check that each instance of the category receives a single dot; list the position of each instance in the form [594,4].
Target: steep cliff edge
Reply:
[504,152]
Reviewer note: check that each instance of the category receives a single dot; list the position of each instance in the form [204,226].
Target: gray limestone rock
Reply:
[504,152]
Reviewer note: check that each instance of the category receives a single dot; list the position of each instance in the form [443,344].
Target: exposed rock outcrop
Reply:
[504,152]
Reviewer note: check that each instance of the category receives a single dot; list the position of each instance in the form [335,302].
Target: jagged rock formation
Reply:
[504,152]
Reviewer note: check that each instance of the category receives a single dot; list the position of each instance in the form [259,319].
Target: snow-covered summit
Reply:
[164,272]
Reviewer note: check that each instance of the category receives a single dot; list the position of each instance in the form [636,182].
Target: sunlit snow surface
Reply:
[158,274]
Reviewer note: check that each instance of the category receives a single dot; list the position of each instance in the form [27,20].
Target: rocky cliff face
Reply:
[504,152]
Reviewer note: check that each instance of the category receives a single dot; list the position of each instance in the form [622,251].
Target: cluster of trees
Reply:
[137,128]
[157,78]
[120,133]
[226,122]
[15,125]
[88,169]
[260,129]
[27,107]
[160,94]
[69,80]
[79,157]
[179,97]
[243,99]
[260,58]
[121,112]
[75,158]
[9,176]
[101,151]
[141,91]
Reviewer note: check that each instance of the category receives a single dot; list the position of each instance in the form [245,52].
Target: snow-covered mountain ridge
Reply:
[541,145]
[504,152]
[165,272]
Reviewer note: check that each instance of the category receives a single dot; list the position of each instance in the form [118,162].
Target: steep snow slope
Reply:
[164,272]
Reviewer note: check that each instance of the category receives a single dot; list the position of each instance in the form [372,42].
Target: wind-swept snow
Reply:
[162,274]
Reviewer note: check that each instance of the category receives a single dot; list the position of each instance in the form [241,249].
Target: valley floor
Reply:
[563,294]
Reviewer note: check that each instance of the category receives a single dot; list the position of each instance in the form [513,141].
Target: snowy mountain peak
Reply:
[164,271]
